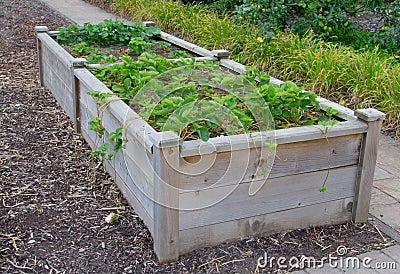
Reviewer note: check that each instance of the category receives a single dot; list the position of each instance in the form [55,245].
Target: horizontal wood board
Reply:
[234,202]
[332,212]
[280,136]
[62,55]
[58,79]
[242,166]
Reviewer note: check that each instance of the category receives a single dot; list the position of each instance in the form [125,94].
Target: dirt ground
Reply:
[55,197]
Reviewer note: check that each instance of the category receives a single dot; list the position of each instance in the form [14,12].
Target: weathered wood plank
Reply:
[281,136]
[333,212]
[75,89]
[184,44]
[166,207]
[232,65]
[62,55]
[89,135]
[368,157]
[234,202]
[60,90]
[343,112]
[139,154]
[40,29]
[137,202]
[56,79]
[134,180]
[227,168]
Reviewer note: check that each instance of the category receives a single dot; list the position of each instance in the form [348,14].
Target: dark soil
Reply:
[54,200]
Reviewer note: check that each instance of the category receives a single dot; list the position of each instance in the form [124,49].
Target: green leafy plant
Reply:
[138,45]
[290,105]
[107,32]
[117,138]
[178,54]
[96,125]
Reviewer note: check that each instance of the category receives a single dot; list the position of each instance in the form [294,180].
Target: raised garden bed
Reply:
[173,190]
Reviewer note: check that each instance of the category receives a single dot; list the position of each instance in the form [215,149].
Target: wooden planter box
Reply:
[290,198]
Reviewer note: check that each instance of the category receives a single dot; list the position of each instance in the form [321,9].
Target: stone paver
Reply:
[389,186]
[378,198]
[394,253]
[381,174]
[388,157]
[385,208]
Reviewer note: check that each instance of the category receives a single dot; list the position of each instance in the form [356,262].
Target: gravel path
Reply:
[54,197]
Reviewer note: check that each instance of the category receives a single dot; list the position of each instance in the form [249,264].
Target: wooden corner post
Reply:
[367,162]
[40,29]
[76,63]
[166,197]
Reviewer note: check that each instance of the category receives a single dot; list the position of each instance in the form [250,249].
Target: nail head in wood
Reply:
[148,23]
[369,114]
[220,53]
[39,29]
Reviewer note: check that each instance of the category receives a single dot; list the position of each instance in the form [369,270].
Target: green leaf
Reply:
[203,133]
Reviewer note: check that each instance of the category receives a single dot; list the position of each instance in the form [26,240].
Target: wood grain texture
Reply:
[232,65]
[184,44]
[332,212]
[40,59]
[135,167]
[76,104]
[61,54]
[281,136]
[241,166]
[166,207]
[343,112]
[55,82]
[227,203]
[367,164]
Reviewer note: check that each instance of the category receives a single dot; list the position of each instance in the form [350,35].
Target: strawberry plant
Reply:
[108,32]
[191,99]
[289,104]
[133,39]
